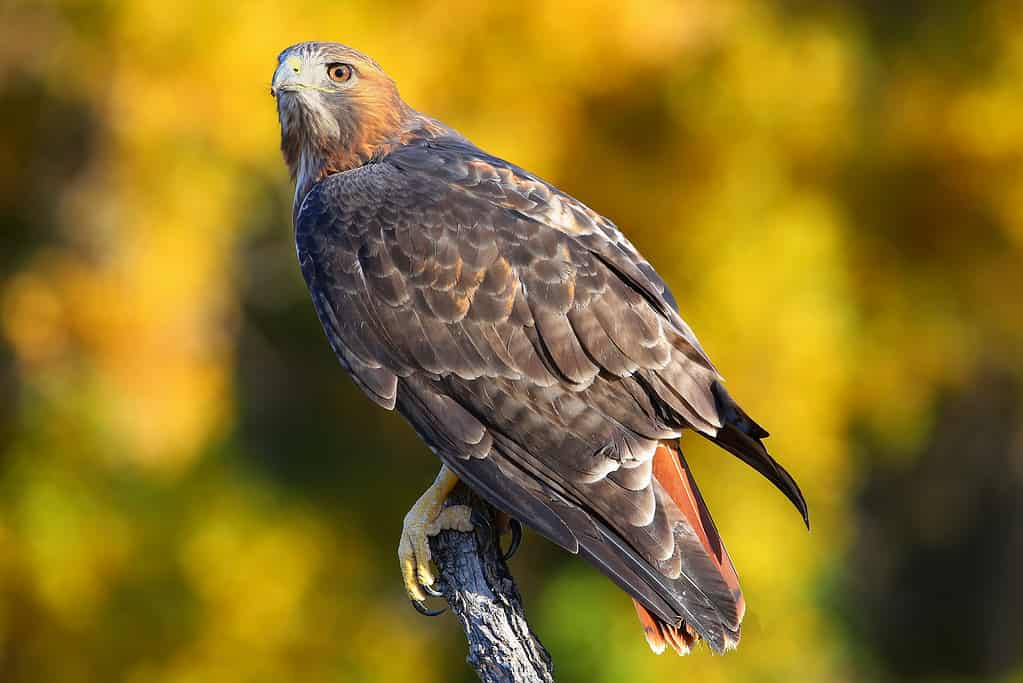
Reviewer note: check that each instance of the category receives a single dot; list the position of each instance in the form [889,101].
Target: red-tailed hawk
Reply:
[525,339]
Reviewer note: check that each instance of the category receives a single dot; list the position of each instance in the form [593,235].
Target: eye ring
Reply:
[339,72]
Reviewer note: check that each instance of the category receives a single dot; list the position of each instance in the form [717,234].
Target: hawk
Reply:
[525,339]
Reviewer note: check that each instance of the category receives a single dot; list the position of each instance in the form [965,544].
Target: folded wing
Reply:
[541,358]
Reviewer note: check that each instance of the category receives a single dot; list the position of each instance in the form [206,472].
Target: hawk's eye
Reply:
[339,73]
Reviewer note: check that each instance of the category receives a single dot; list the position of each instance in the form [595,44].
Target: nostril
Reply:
[295,69]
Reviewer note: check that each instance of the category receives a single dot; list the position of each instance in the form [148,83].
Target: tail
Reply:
[659,634]
[741,437]
[705,560]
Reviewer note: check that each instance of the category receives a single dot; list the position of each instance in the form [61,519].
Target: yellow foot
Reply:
[428,517]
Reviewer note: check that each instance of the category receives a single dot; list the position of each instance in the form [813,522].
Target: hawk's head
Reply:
[337,108]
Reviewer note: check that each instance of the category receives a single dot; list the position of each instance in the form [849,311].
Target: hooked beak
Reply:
[286,78]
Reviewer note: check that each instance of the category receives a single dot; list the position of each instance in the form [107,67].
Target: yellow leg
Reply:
[428,518]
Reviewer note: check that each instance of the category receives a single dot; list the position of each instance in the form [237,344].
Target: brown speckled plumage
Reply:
[523,337]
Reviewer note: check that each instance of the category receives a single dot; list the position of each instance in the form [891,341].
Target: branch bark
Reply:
[481,592]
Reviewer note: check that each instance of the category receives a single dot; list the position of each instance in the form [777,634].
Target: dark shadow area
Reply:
[934,586]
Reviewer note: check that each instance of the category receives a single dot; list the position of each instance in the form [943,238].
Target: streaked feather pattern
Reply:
[541,358]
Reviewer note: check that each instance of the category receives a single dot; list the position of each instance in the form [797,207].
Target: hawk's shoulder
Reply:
[466,169]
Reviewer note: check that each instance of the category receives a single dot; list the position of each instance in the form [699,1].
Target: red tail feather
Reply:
[672,473]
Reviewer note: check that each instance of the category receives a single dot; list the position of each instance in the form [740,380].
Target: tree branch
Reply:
[481,592]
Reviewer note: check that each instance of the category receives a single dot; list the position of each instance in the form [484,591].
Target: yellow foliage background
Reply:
[190,488]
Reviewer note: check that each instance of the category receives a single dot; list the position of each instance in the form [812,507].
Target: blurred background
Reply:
[192,490]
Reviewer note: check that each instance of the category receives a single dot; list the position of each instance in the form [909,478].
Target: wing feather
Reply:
[534,350]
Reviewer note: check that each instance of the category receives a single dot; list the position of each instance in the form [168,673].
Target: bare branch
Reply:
[481,592]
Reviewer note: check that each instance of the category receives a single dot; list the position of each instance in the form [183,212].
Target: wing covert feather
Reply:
[530,346]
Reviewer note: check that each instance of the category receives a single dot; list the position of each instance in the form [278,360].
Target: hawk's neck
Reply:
[311,158]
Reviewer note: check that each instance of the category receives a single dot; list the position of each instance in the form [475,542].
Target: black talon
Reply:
[484,529]
[430,590]
[426,611]
[516,541]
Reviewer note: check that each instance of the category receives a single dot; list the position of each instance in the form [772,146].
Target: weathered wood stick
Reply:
[481,592]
